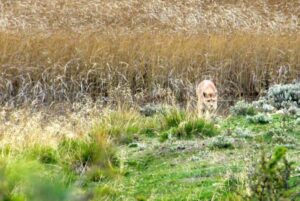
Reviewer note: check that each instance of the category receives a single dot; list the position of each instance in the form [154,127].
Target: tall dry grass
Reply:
[139,51]
[154,15]
[64,66]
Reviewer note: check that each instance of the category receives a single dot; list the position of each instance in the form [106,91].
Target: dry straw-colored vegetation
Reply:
[141,51]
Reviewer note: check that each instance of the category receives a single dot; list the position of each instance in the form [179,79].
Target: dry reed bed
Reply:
[25,126]
[154,15]
[134,51]
[67,66]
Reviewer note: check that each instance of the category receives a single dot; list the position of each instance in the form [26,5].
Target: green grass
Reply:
[171,156]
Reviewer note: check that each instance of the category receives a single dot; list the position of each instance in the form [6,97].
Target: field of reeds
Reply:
[136,51]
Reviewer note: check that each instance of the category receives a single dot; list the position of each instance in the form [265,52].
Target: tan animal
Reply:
[207,95]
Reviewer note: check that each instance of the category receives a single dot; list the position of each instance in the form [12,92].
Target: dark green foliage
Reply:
[46,155]
[164,136]
[269,179]
[149,132]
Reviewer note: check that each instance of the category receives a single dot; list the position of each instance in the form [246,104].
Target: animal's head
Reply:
[210,96]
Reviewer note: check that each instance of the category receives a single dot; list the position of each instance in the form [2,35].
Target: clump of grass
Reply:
[176,123]
[195,128]
[80,155]
[126,126]
[173,117]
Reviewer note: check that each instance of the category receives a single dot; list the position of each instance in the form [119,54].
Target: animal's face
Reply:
[210,98]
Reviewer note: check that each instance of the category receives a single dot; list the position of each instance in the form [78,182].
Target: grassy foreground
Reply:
[170,155]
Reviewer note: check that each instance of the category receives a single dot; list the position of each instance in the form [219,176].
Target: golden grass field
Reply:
[62,50]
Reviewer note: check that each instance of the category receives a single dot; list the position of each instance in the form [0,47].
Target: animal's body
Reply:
[207,95]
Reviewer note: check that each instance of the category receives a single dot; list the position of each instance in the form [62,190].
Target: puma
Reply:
[207,95]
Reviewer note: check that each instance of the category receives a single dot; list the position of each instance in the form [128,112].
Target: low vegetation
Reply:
[128,155]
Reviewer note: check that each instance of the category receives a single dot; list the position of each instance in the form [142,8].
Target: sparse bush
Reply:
[244,133]
[269,178]
[262,105]
[221,142]
[279,136]
[243,108]
[284,96]
[260,118]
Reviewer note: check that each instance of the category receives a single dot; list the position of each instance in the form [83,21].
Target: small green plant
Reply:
[243,108]
[269,178]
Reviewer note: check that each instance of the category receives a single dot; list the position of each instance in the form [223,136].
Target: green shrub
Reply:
[243,108]
[260,118]
[269,178]
[284,96]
